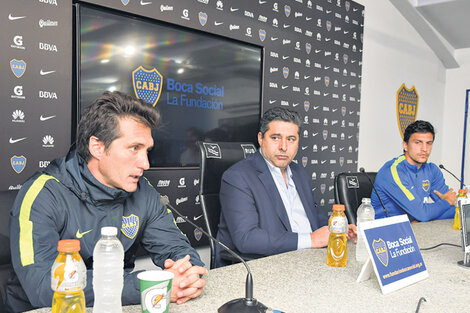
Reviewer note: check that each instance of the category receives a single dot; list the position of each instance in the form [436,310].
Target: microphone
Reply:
[240,305]
[461,182]
[362,170]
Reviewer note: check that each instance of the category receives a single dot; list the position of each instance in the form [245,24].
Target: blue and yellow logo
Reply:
[125,2]
[426,185]
[197,234]
[407,107]
[147,84]
[325,134]
[262,34]
[327,81]
[18,163]
[380,249]
[345,58]
[306,105]
[18,67]
[130,225]
[308,47]
[304,161]
[328,25]
[203,18]
[287,10]
[285,72]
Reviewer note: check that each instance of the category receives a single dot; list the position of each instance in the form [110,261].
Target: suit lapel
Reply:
[271,189]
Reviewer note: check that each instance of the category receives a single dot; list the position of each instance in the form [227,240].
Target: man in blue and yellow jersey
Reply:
[99,183]
[410,185]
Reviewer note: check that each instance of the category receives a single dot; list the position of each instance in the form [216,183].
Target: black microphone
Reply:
[362,170]
[240,305]
[461,182]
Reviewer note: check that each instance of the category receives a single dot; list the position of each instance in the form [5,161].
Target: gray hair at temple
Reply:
[278,114]
[101,119]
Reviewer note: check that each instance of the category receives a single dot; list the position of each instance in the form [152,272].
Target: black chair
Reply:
[216,157]
[350,188]
[6,269]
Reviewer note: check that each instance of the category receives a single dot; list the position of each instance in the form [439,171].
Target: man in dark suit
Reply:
[267,203]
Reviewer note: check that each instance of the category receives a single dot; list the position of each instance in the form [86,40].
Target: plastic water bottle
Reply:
[365,213]
[337,254]
[108,272]
[68,278]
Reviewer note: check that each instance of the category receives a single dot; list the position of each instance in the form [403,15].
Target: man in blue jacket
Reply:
[100,183]
[410,185]
[267,202]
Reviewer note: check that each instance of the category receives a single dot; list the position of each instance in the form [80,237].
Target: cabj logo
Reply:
[308,47]
[306,105]
[147,84]
[18,163]
[304,161]
[407,107]
[287,10]
[130,225]
[197,234]
[125,2]
[328,25]
[380,249]
[262,34]
[18,67]
[202,18]
[426,185]
[285,72]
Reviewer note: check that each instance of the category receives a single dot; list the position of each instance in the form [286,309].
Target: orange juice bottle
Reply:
[337,253]
[68,278]
[462,195]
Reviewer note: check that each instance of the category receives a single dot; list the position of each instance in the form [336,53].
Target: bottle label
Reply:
[68,276]
[338,225]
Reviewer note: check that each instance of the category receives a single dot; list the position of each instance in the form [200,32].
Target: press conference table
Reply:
[301,282]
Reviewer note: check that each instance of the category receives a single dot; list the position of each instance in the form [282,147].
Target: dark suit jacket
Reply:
[253,217]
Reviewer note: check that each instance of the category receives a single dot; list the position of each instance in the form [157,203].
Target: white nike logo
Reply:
[42,72]
[328,11]
[233,10]
[12,18]
[316,107]
[218,23]
[317,51]
[354,9]
[286,25]
[272,101]
[314,134]
[341,149]
[323,161]
[274,38]
[17,140]
[197,217]
[262,2]
[306,76]
[304,147]
[334,110]
[308,18]
[327,39]
[327,67]
[284,87]
[144,3]
[285,57]
[325,94]
[295,104]
[42,118]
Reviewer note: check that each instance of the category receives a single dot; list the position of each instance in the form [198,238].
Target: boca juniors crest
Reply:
[380,249]
[18,163]
[130,225]
[262,34]
[125,2]
[18,67]
[407,107]
[203,18]
[147,84]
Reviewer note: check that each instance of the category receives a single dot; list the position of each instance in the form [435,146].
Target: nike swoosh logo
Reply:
[218,23]
[316,107]
[272,101]
[262,2]
[284,87]
[42,72]
[303,148]
[295,104]
[144,3]
[285,57]
[197,217]
[80,235]
[334,110]
[17,140]
[308,18]
[42,118]
[13,18]
[306,76]
[233,10]
[317,51]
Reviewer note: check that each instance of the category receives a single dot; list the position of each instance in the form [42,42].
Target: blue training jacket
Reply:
[66,201]
[405,189]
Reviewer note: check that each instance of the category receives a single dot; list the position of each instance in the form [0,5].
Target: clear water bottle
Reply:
[365,213]
[108,272]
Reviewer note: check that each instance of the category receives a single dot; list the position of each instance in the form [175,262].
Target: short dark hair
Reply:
[101,119]
[278,114]
[418,127]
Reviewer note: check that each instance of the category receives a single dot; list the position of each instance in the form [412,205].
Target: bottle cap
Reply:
[109,231]
[462,190]
[338,207]
[366,200]
[68,245]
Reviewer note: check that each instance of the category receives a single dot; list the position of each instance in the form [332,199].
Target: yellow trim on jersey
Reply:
[26,226]
[393,168]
